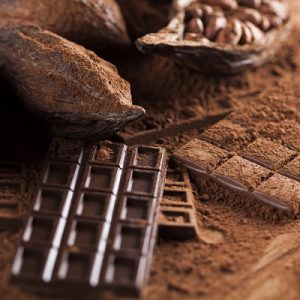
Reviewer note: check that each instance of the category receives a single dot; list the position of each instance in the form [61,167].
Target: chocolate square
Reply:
[267,153]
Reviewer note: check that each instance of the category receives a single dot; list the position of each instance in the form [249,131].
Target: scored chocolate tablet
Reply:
[260,174]
[93,223]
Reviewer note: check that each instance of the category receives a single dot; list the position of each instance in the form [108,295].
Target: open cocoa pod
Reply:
[221,37]
[73,91]
[96,24]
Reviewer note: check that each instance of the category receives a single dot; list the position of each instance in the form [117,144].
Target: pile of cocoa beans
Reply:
[234,22]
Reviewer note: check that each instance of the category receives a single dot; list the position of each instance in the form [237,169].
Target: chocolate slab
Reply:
[177,217]
[262,176]
[95,213]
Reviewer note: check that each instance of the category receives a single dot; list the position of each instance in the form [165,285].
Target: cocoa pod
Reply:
[214,23]
[250,3]
[231,34]
[95,24]
[70,88]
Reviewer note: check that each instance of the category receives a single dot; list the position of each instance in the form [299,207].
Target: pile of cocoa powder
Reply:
[238,256]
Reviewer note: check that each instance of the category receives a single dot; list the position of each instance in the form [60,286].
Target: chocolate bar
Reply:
[177,218]
[12,189]
[93,224]
[258,173]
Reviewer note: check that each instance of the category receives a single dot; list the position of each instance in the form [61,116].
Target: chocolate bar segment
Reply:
[228,135]
[46,222]
[97,219]
[267,153]
[12,191]
[177,219]
[249,177]
[201,156]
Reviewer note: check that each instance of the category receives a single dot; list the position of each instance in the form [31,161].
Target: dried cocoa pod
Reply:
[263,30]
[70,88]
[95,24]
[231,34]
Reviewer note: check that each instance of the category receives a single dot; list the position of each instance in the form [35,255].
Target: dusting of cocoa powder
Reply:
[240,255]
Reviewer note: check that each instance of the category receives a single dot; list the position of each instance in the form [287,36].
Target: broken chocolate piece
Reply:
[81,94]
[177,218]
[258,176]
[101,28]
[231,45]
[95,228]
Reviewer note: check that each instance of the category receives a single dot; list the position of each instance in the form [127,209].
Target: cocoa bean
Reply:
[197,10]
[224,4]
[195,25]
[231,34]
[265,23]
[250,3]
[275,8]
[214,23]
[248,14]
[246,37]
[257,34]
[95,24]
[70,88]
[275,21]
[196,37]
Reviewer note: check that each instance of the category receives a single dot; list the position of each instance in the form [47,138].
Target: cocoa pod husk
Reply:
[71,89]
[258,43]
[96,24]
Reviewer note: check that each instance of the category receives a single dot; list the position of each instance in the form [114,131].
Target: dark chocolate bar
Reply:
[177,218]
[12,190]
[95,213]
[261,174]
